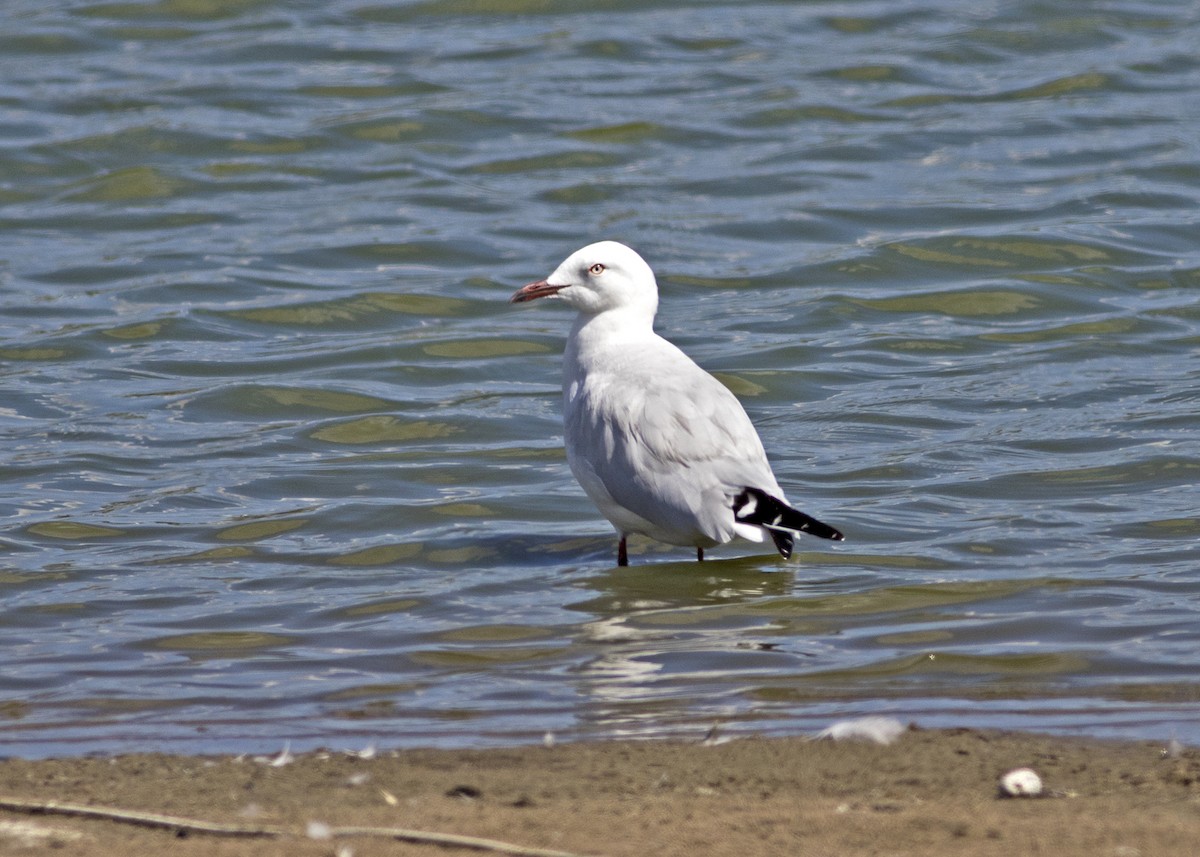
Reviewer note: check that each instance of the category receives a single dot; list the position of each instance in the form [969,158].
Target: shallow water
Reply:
[280,463]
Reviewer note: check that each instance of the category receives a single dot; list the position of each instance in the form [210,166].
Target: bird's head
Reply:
[600,277]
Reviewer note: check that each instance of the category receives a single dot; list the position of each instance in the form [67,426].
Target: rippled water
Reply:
[279,462]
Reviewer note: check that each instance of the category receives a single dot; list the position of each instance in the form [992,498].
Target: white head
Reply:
[600,277]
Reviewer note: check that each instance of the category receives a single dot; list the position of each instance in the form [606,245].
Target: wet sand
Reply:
[930,793]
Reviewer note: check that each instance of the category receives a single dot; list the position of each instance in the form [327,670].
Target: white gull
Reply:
[660,446]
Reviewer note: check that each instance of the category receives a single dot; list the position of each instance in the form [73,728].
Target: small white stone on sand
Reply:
[881,730]
[318,830]
[1021,782]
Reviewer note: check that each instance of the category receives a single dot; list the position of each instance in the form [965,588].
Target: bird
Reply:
[660,446]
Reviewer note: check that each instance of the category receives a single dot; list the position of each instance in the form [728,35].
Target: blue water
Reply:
[279,462]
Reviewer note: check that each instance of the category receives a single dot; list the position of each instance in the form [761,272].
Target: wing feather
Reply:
[667,442]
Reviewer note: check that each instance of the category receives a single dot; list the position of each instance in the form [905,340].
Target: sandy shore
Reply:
[930,793]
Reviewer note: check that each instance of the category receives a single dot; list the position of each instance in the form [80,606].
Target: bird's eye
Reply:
[596,269]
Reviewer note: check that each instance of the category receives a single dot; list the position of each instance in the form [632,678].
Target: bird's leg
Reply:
[622,553]
[699,554]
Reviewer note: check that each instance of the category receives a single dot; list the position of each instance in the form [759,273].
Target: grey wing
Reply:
[676,449]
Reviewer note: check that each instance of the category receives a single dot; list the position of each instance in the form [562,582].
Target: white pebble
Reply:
[318,830]
[881,730]
[1021,782]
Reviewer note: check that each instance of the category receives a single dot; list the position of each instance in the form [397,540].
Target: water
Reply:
[280,464]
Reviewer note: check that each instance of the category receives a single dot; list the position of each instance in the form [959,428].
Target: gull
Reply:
[661,447]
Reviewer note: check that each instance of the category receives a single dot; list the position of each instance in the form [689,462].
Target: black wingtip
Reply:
[784,542]
[817,528]
[754,506]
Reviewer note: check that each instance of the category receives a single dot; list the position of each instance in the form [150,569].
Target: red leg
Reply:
[622,553]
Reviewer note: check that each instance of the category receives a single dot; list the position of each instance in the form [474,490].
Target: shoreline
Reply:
[930,792]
